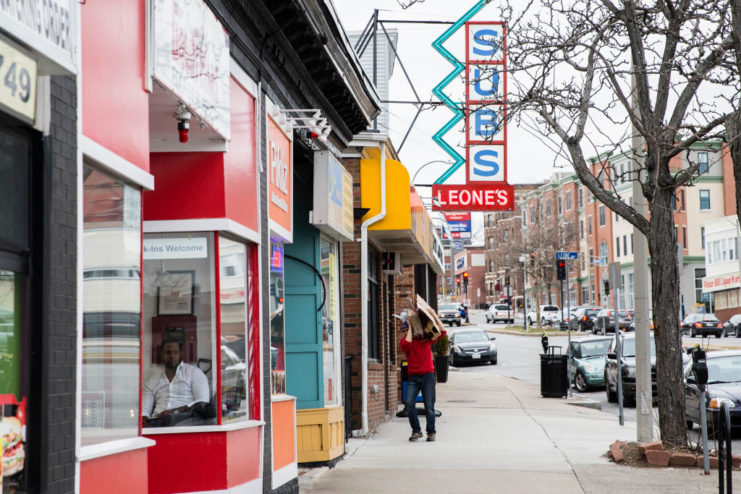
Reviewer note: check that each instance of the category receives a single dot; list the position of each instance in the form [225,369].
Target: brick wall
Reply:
[52,465]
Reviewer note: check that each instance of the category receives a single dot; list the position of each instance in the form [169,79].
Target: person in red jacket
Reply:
[421,376]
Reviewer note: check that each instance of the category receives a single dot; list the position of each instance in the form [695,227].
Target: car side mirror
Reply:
[492,337]
[612,355]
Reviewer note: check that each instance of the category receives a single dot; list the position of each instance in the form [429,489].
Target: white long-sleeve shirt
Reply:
[189,386]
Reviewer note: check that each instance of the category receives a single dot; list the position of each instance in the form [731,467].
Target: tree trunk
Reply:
[665,297]
[733,127]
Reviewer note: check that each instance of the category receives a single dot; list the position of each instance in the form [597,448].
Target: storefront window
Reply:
[12,396]
[330,321]
[235,276]
[111,306]
[277,319]
[179,336]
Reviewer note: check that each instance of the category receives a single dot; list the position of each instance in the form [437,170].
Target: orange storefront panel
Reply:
[280,180]
[121,473]
[284,433]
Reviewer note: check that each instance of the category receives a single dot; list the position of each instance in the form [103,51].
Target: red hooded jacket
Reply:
[419,355]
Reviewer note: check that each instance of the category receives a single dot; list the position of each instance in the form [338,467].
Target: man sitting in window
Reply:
[171,395]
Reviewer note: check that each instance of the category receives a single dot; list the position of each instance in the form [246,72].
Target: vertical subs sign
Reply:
[486,187]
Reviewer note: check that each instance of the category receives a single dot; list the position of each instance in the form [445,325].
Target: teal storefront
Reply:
[323,218]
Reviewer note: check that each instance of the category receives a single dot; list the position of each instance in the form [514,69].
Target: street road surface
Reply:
[519,357]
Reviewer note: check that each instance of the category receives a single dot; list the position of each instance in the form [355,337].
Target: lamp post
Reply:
[414,177]
[524,295]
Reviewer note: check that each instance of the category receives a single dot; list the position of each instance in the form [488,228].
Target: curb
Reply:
[595,405]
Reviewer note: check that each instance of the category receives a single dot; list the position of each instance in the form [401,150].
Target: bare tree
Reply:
[572,65]
[733,122]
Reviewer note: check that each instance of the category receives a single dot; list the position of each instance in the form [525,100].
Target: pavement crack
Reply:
[571,466]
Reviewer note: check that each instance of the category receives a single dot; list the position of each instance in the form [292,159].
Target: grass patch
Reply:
[531,331]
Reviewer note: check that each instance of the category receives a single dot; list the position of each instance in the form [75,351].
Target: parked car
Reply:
[702,324]
[628,363]
[449,314]
[472,345]
[581,319]
[605,319]
[724,383]
[500,312]
[650,320]
[587,362]
[732,326]
[548,315]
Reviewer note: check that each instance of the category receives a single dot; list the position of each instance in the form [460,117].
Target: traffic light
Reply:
[560,269]
[465,279]
[607,287]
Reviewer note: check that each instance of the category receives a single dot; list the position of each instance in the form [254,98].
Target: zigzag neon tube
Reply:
[457,109]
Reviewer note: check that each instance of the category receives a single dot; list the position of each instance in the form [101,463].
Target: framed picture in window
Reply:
[175,293]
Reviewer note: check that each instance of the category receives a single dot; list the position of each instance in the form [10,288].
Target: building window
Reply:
[676,239]
[704,200]
[699,275]
[715,245]
[524,217]
[617,217]
[629,288]
[548,207]
[604,253]
[625,245]
[568,200]
[581,228]
[331,322]
[684,237]
[111,308]
[617,247]
[581,197]
[602,216]
[560,205]
[702,236]
[179,332]
[589,224]
[374,330]
[674,202]
[631,243]
[731,249]
[585,295]
[702,159]
[681,195]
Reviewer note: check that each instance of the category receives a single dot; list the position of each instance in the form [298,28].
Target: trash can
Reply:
[554,378]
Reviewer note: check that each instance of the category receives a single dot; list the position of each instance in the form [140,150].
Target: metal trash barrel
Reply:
[554,378]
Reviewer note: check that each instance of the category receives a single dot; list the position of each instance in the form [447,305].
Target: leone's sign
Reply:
[473,197]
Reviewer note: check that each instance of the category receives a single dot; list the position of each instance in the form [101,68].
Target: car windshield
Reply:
[724,369]
[449,307]
[629,347]
[471,337]
[552,308]
[591,312]
[624,314]
[594,348]
[502,307]
[709,317]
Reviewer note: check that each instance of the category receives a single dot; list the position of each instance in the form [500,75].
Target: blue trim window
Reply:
[704,200]
[702,159]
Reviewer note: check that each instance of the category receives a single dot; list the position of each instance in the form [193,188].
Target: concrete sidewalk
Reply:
[497,434]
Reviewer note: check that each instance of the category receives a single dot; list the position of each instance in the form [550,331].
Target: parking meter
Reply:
[544,342]
[700,367]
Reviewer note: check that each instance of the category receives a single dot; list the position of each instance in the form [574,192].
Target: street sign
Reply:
[458,245]
[473,197]
[562,254]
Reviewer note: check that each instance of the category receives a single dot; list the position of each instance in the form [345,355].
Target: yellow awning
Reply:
[407,227]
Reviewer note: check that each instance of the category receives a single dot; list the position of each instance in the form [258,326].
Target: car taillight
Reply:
[698,325]
[583,318]
[720,325]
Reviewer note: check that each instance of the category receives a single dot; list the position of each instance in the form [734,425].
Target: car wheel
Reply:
[458,324]
[717,335]
[690,425]
[692,333]
[580,383]
[493,361]
[542,321]
[451,360]
[629,401]
[611,395]
[737,332]
[529,321]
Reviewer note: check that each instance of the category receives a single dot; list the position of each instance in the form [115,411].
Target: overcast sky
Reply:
[528,158]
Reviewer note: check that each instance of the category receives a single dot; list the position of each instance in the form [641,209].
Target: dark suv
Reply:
[582,318]
[628,364]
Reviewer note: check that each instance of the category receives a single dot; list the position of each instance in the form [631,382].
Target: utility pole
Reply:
[644,398]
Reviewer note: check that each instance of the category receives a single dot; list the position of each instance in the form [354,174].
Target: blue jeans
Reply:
[425,382]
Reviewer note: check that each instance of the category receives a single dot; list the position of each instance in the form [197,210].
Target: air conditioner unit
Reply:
[391,263]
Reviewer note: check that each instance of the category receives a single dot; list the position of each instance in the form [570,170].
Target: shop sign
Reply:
[175,248]
[333,198]
[473,197]
[723,282]
[17,81]
[43,25]
[191,51]
[280,182]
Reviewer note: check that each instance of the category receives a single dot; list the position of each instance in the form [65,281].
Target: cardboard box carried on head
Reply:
[431,324]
